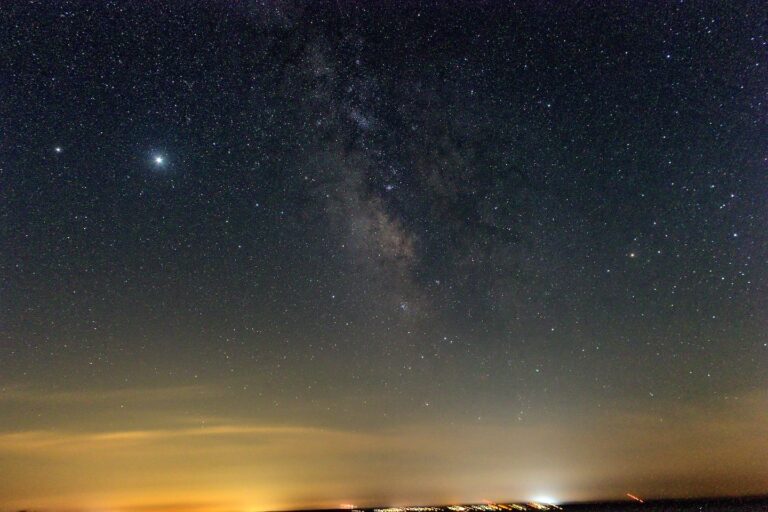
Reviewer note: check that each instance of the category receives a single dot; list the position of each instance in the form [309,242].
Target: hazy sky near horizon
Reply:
[161,457]
[274,254]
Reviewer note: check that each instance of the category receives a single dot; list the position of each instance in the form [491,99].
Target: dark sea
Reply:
[713,505]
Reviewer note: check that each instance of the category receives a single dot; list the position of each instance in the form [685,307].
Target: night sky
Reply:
[273,254]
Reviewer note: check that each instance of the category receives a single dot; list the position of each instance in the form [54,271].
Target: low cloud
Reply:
[145,394]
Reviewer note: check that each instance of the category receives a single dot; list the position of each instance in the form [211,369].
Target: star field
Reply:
[346,215]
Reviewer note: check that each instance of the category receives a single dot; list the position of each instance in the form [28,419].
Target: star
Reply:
[57,149]
[159,160]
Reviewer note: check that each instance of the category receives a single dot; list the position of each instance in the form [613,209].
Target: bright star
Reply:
[159,160]
[57,149]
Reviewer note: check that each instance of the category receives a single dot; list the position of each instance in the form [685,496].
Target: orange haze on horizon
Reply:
[97,459]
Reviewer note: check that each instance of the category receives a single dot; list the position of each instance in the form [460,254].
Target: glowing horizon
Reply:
[224,464]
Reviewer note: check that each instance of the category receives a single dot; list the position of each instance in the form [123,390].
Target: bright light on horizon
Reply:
[547,500]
